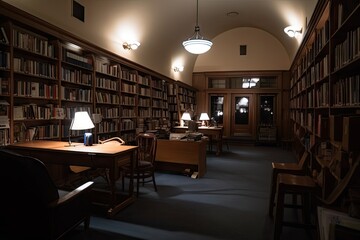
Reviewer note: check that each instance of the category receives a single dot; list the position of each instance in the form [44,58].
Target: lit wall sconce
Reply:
[131,45]
[178,68]
[293,31]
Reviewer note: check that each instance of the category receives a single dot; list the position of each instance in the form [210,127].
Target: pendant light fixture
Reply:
[197,44]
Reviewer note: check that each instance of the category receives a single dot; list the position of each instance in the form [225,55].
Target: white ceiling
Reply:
[162,25]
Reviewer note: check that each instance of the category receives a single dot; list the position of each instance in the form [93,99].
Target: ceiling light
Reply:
[293,31]
[131,45]
[197,44]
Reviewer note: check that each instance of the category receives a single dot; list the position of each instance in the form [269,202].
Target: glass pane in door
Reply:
[242,110]
[217,108]
[266,110]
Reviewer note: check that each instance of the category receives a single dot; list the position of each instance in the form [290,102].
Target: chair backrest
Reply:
[147,144]
[192,126]
[303,160]
[27,192]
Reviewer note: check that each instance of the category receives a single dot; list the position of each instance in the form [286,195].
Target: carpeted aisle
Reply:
[230,202]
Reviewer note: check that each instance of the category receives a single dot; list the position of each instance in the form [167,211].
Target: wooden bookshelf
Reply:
[47,74]
[324,93]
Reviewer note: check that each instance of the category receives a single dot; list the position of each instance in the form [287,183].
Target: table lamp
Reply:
[185,117]
[82,121]
[204,117]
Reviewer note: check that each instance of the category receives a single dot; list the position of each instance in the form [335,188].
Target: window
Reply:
[243,82]
[267,110]
[217,108]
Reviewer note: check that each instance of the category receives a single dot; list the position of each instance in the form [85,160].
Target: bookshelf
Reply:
[324,94]
[47,74]
[186,100]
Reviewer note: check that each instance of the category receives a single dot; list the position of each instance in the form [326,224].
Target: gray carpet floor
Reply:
[229,202]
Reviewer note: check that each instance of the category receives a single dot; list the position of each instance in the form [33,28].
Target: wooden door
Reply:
[242,115]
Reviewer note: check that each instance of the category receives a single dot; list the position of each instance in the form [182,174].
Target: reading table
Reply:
[214,133]
[107,156]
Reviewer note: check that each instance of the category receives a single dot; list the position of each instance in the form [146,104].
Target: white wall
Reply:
[264,52]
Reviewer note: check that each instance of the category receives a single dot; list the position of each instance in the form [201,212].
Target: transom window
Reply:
[243,82]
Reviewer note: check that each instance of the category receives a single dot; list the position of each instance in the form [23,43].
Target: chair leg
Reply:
[87,222]
[153,179]
[272,193]
[279,213]
[137,184]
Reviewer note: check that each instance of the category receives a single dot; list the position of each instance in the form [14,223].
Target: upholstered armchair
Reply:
[31,205]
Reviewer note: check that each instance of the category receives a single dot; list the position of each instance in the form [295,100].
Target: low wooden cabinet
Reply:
[174,155]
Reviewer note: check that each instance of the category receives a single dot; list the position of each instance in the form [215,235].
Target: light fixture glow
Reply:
[197,44]
[81,121]
[178,68]
[293,31]
[186,116]
[131,45]
[204,117]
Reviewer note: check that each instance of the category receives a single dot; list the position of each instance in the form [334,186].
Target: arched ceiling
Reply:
[161,25]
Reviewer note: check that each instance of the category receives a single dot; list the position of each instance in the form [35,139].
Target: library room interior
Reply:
[181,119]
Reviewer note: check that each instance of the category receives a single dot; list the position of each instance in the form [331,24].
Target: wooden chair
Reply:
[32,206]
[144,170]
[291,168]
[306,187]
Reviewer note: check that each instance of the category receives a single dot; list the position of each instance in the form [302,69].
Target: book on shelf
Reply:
[4,38]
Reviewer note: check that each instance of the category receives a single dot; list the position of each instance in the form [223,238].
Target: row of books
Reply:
[34,111]
[4,59]
[36,89]
[33,43]
[77,59]
[106,68]
[102,97]
[106,83]
[4,86]
[106,112]
[3,36]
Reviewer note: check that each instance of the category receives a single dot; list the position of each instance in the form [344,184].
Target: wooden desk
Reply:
[174,154]
[214,133]
[98,156]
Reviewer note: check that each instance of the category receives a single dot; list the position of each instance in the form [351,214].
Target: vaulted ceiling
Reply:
[162,25]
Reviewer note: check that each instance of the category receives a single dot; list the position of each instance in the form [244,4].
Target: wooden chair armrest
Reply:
[85,188]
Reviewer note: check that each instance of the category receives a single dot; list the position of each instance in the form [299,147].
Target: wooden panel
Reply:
[182,152]
[351,133]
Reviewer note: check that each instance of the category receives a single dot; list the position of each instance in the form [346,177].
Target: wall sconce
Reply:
[178,68]
[293,31]
[131,45]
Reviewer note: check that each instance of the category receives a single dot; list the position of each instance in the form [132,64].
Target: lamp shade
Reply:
[186,116]
[197,46]
[204,117]
[81,121]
